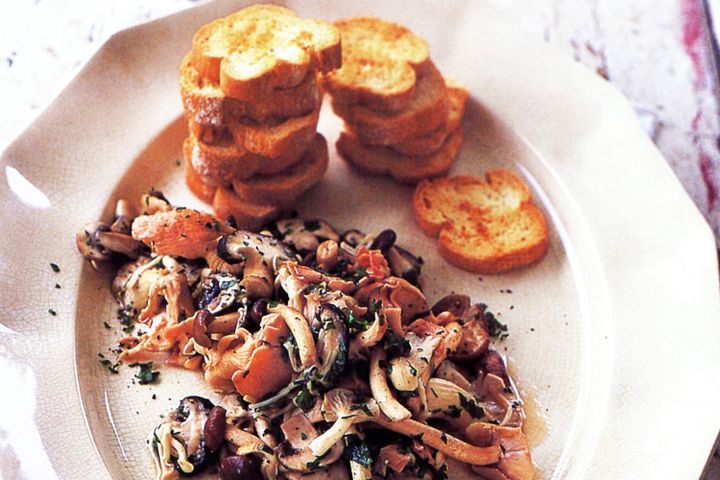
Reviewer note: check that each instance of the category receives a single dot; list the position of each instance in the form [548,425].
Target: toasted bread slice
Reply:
[284,188]
[221,162]
[197,186]
[378,160]
[246,215]
[484,225]
[425,113]
[275,138]
[264,47]
[431,142]
[381,63]
[205,102]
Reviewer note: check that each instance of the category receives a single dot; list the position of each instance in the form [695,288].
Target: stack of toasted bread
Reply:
[251,94]
[401,116]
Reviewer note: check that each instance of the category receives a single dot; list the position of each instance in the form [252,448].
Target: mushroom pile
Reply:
[326,356]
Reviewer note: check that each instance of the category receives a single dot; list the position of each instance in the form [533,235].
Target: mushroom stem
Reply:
[394,410]
[332,435]
[447,444]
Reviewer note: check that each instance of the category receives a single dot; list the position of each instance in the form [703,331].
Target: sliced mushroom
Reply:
[119,242]
[294,452]
[305,235]
[88,244]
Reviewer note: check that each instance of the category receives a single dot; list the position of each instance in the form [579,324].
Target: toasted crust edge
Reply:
[500,263]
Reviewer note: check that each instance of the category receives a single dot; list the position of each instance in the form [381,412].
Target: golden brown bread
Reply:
[223,160]
[381,62]
[431,142]
[484,225]
[246,215]
[276,137]
[263,47]
[284,188]
[427,110]
[195,184]
[205,102]
[379,160]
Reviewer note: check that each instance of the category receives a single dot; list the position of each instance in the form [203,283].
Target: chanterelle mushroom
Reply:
[345,409]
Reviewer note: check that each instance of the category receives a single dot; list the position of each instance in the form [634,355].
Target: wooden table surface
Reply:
[659,53]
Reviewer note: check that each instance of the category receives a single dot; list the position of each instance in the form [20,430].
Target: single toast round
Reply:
[426,112]
[381,62]
[431,142]
[204,102]
[262,48]
[285,187]
[228,206]
[222,160]
[274,138]
[379,160]
[486,225]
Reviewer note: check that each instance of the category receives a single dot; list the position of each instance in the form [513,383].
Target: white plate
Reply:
[615,335]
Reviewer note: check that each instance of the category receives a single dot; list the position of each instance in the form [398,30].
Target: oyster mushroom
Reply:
[300,329]
[305,235]
[332,343]
[180,442]
[259,253]
[294,452]
[452,403]
[344,409]
[406,371]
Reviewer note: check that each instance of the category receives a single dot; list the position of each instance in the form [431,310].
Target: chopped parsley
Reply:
[111,367]
[145,375]
[356,450]
[494,327]
[395,345]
